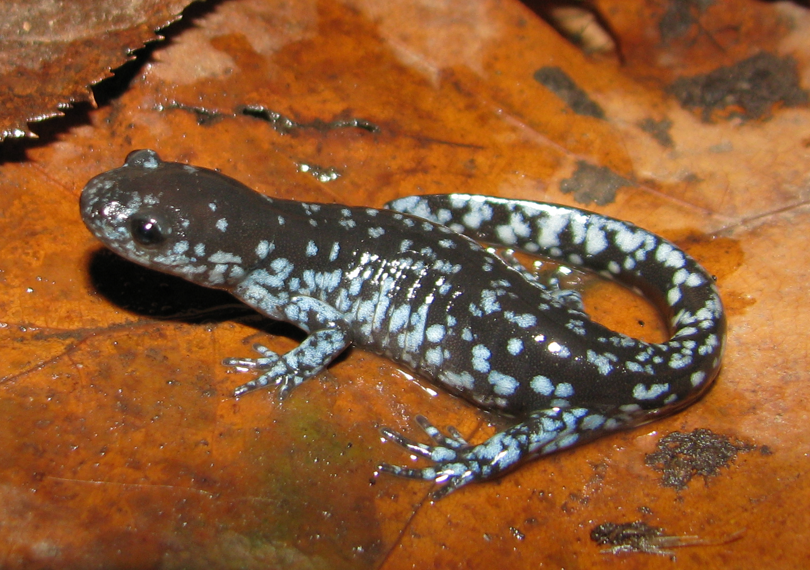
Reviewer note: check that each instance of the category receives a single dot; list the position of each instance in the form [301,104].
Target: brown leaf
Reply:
[122,443]
[52,52]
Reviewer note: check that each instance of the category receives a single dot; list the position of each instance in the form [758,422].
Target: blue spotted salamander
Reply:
[413,283]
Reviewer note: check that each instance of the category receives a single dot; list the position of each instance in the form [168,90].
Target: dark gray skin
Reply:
[400,282]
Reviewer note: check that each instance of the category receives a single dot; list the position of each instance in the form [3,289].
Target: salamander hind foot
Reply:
[451,455]
[457,463]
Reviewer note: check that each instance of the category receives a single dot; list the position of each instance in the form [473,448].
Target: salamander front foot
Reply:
[266,362]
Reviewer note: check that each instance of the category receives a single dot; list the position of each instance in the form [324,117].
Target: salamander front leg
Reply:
[329,336]
[457,463]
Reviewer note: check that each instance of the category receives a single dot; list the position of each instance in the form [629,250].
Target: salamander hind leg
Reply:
[456,463]
[549,281]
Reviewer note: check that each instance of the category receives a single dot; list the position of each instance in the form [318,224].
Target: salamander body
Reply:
[413,283]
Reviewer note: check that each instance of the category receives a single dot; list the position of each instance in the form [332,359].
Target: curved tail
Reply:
[613,248]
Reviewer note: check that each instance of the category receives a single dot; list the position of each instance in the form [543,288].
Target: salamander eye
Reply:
[146,230]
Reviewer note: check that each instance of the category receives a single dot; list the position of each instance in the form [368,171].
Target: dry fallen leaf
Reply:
[51,52]
[122,444]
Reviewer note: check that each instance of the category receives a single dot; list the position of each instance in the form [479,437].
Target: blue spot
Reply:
[514,346]
[564,390]
[503,384]
[480,358]
[542,385]
[641,392]
[263,248]
[435,333]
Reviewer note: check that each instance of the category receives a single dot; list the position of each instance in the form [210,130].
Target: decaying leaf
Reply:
[52,52]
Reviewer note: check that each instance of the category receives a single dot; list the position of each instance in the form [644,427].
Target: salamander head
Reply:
[191,222]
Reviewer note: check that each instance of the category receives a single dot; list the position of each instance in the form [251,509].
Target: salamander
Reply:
[416,282]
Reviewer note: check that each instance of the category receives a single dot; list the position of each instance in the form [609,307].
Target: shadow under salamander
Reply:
[159,296]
